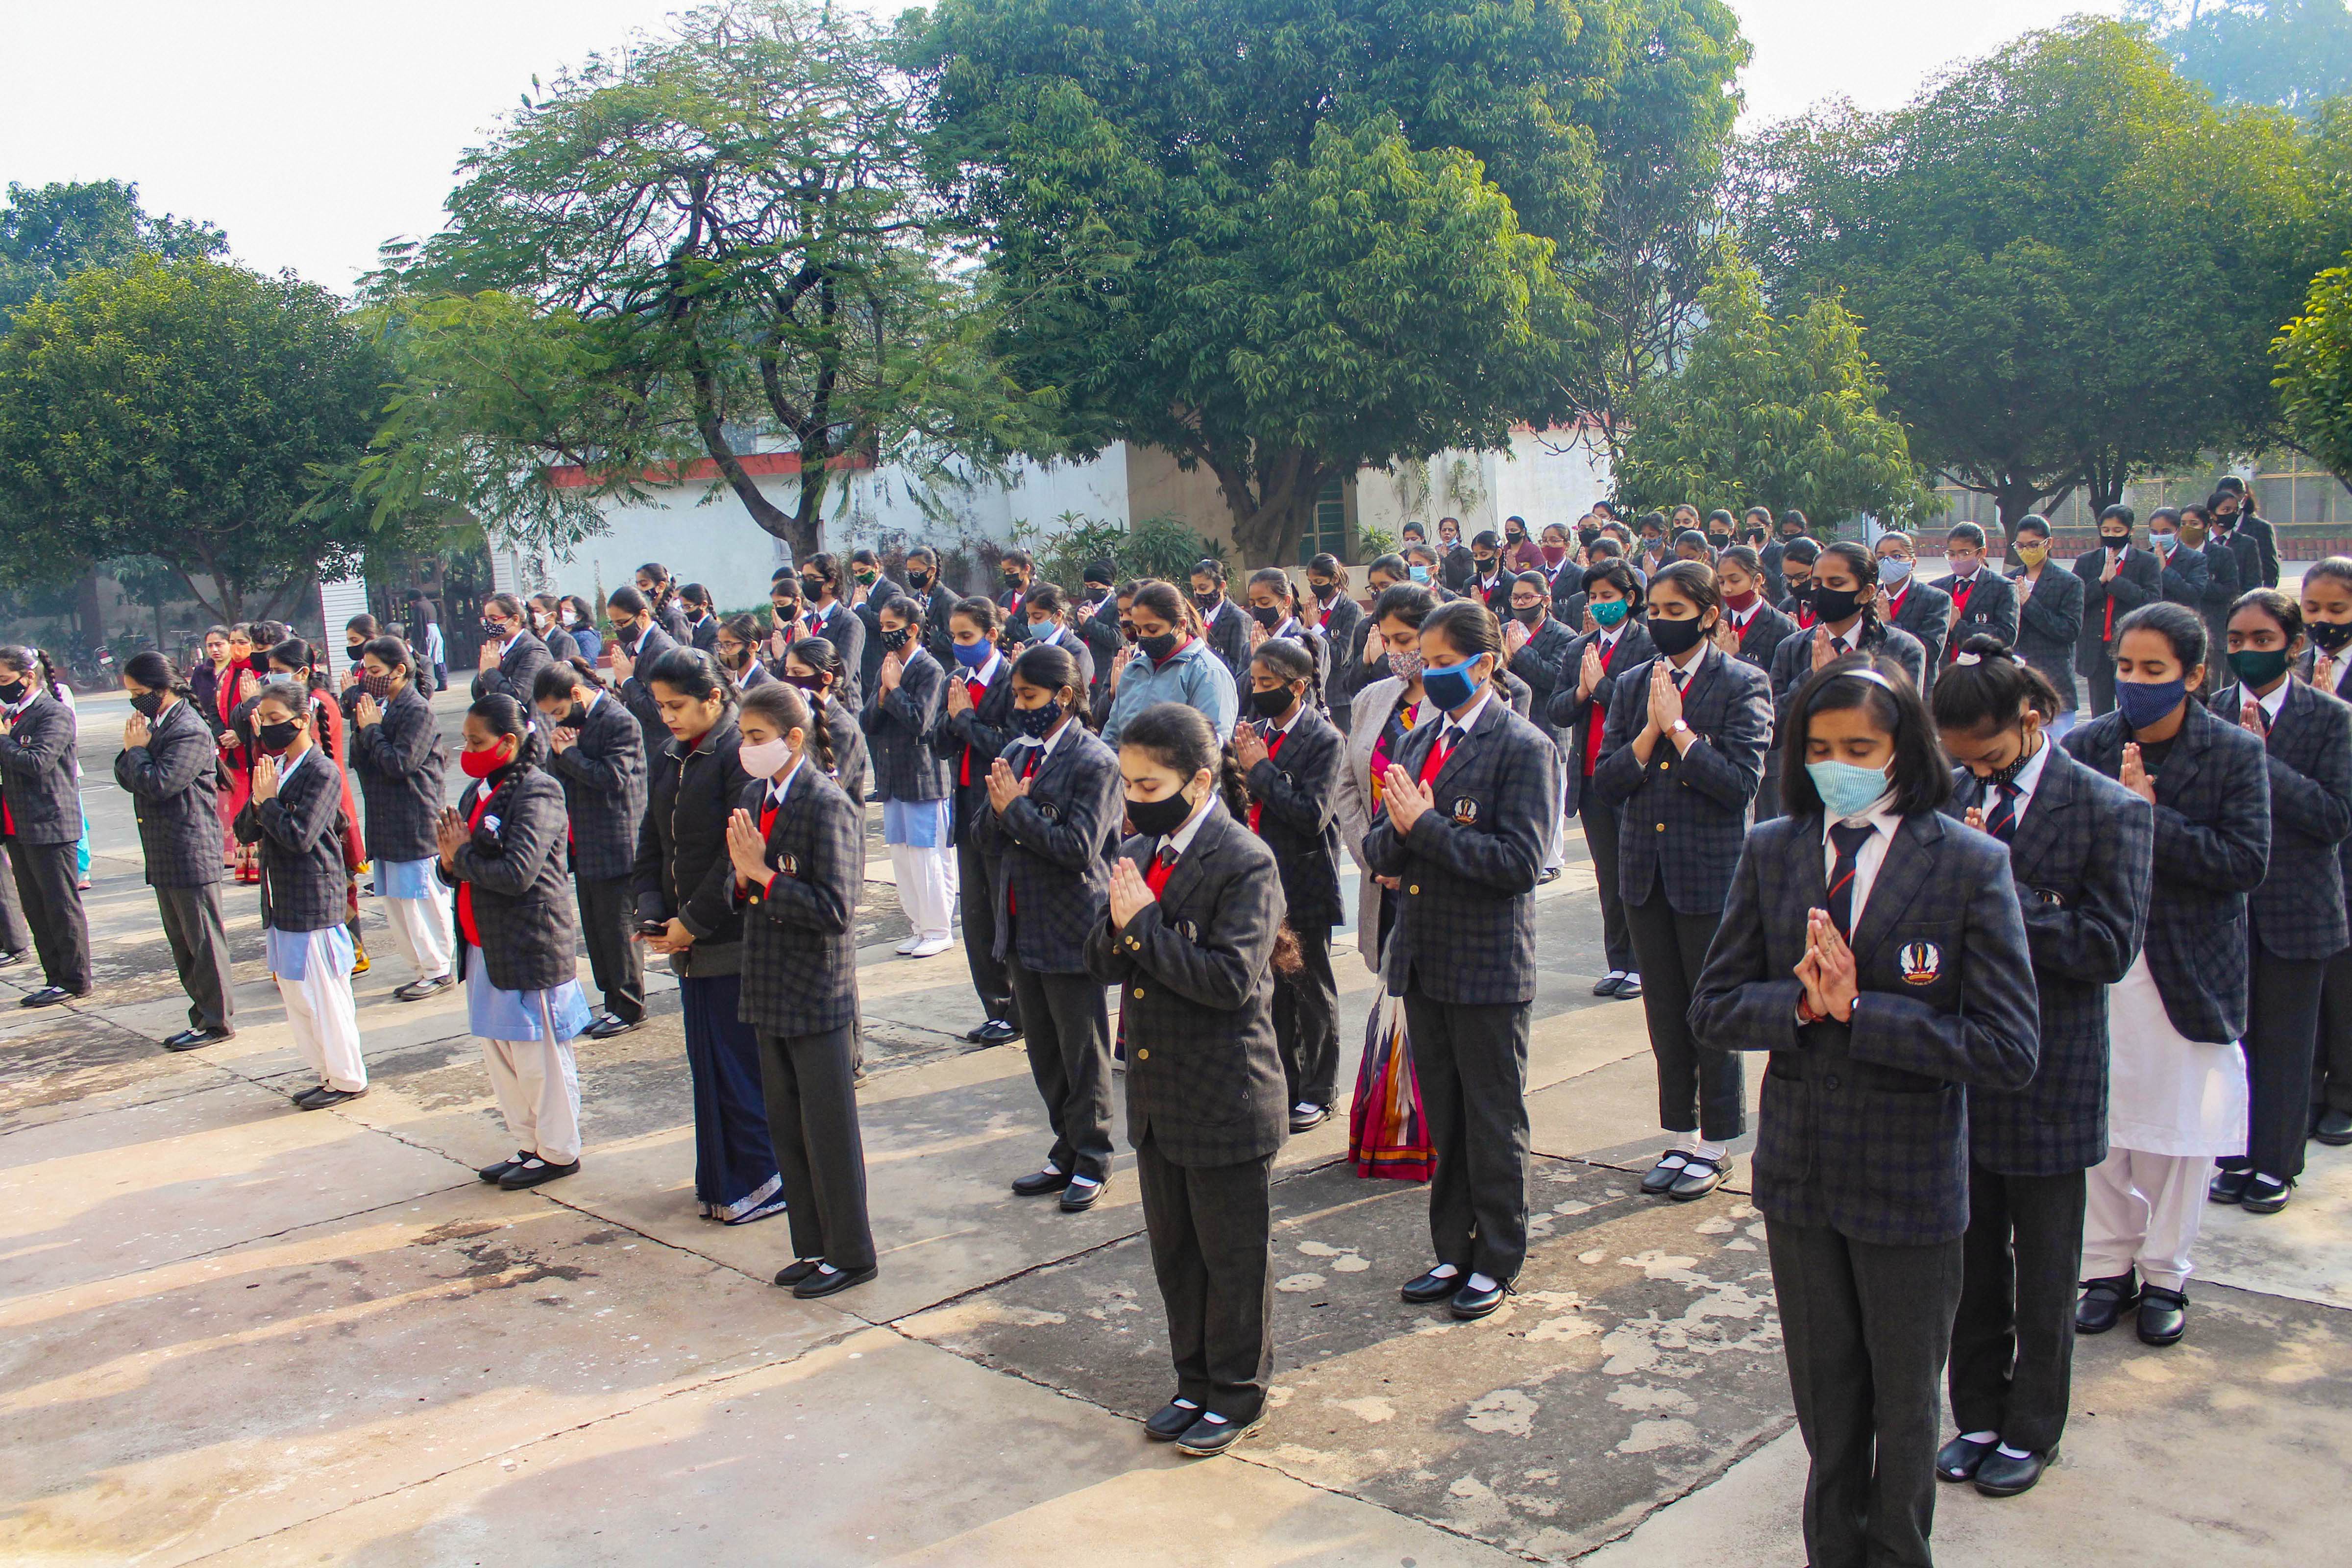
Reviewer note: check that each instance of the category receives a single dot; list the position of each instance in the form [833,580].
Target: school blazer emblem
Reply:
[1465,812]
[1921,962]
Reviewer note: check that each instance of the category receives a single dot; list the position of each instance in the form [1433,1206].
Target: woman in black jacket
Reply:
[686,911]
[899,716]
[596,749]
[1291,758]
[396,752]
[502,849]
[41,820]
[169,762]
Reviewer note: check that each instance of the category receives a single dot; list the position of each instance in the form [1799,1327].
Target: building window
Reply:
[1327,529]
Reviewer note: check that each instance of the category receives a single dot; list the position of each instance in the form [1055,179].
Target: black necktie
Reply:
[1847,840]
[1682,679]
[2001,820]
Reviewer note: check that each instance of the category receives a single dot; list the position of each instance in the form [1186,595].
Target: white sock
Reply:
[1979,1437]
[1712,1154]
[1479,1282]
[1443,1271]
[1084,1182]
[1211,1416]
[2009,1453]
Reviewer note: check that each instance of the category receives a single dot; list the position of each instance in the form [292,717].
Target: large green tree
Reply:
[2314,355]
[188,411]
[48,233]
[2068,263]
[1773,413]
[708,243]
[1283,239]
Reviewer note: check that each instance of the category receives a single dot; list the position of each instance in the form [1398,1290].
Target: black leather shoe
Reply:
[2228,1187]
[324,1097]
[2163,1315]
[1040,1183]
[191,1039]
[1607,984]
[826,1279]
[491,1172]
[1424,1288]
[2000,1476]
[1204,1436]
[536,1171]
[1548,874]
[995,1032]
[417,990]
[1663,1174]
[2265,1194]
[50,995]
[605,1027]
[1699,1177]
[1957,1459]
[1171,1421]
[2104,1301]
[1630,988]
[1469,1304]
[10,957]
[792,1274]
[1079,1196]
[2333,1128]
[1302,1121]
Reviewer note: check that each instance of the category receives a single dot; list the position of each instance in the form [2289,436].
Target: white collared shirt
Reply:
[1689,665]
[986,673]
[1181,839]
[1045,747]
[2276,701]
[1866,859]
[287,770]
[1457,727]
[2022,788]
[776,792]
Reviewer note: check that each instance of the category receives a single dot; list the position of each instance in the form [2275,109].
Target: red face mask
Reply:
[482,764]
[1554,554]
[1740,601]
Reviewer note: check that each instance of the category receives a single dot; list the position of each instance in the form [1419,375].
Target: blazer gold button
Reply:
[1142,1055]
[1662,827]
[1139,992]
[1663,766]
[1415,888]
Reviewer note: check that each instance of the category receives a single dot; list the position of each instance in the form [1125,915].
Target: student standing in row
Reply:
[1052,819]
[1539,648]
[502,849]
[297,804]
[1195,911]
[2222,585]
[796,845]
[900,714]
[2177,1082]
[1920,608]
[1681,761]
[1875,950]
[169,764]
[837,737]
[659,590]
[1579,710]
[597,753]
[2079,851]
[1224,627]
[1016,569]
[701,625]
[1340,620]
[975,728]
[1462,818]
[1848,618]
[2295,919]
[40,821]
[637,644]
[829,617]
[2049,616]
[1275,612]
[398,753]
[735,644]
[512,657]
[2327,624]
[1385,714]
[1172,663]
[2117,580]
[1983,603]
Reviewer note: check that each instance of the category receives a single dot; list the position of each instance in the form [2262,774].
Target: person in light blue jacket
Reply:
[1170,663]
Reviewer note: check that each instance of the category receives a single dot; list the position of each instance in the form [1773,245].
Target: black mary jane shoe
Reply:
[2333,1128]
[1171,1421]
[2229,1185]
[792,1274]
[2105,1301]
[50,995]
[995,1032]
[2000,1476]
[1630,988]
[535,1171]
[1607,984]
[1958,1459]
[326,1095]
[1309,1119]
[825,1280]
[1700,1176]
[417,990]
[196,1039]
[609,1026]
[1207,1437]
[1079,1196]
[1665,1172]
[494,1171]
[1469,1304]
[1040,1183]
[11,956]
[2265,1194]
[2163,1315]
[1421,1289]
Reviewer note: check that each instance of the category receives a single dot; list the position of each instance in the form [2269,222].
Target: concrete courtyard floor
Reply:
[233,1332]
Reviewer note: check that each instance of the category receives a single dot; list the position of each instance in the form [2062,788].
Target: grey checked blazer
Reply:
[2213,848]
[2222,589]
[1052,850]
[1682,819]
[898,726]
[1539,663]
[1298,793]
[1229,639]
[2298,910]
[2050,625]
[1792,662]
[2186,579]
[846,633]
[852,763]
[518,667]
[36,773]
[1343,636]
[987,729]
[1466,926]
[402,767]
[1927,610]
[1195,975]
[522,905]
[1768,628]
[800,931]
[1992,608]
[2137,582]
[1573,719]
[638,697]
[1864,1127]
[304,884]
[2082,858]
[603,779]
[172,780]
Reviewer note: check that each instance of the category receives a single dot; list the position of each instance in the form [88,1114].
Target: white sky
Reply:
[313,129]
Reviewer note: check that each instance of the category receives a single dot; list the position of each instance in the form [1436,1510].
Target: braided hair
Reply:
[502,715]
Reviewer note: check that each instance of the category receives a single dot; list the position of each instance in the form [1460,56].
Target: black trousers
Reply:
[191,924]
[811,1096]
[14,937]
[2331,1065]
[2100,671]
[1599,820]
[618,964]
[1068,1035]
[2013,1337]
[1472,1063]
[1867,1330]
[1307,1020]
[45,883]
[1212,1232]
[2282,1038]
[1768,793]
[1699,1089]
[976,887]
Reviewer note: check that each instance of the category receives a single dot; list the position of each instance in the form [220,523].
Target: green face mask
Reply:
[2259,667]
[1607,612]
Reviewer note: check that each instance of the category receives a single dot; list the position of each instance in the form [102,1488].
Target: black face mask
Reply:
[811,588]
[495,630]
[575,720]
[1676,638]
[2115,540]
[1012,581]
[784,610]
[895,638]
[1273,704]
[1516,535]
[1720,540]
[14,691]
[1530,615]
[1158,818]
[1585,536]
[150,703]
[2330,635]
[1322,590]
[1486,565]
[624,631]
[918,581]
[1266,616]
[1095,595]
[276,737]
[1157,649]
[1037,722]
[1831,604]
[1206,602]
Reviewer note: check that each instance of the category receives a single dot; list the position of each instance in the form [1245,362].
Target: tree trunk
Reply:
[1270,518]
[772,518]
[89,610]
[2106,474]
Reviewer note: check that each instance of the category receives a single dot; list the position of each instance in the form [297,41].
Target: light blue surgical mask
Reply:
[1891,570]
[1846,790]
[1450,686]
[1417,571]
[278,677]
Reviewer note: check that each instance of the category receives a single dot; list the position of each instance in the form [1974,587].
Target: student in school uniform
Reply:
[659,589]
[1752,631]
[637,643]
[512,657]
[1050,824]
[971,733]
[1339,619]
[2182,575]
[1048,612]
[396,752]
[293,814]
[2049,616]
[1276,611]
[597,753]
[1875,950]
[2175,1079]
[1172,663]
[2221,584]
[1579,710]
[837,737]
[825,614]
[1848,616]
[1224,628]
[1385,713]
[938,601]
[2079,852]
[1920,608]
[500,849]
[796,844]
[169,763]
[1195,913]
[1365,658]
[2327,626]
[2295,919]
[2117,580]
[735,644]
[1681,759]
[898,718]
[1461,826]
[1983,603]
[546,613]
[701,624]
[1291,758]
[1016,571]
[1796,601]
[1539,645]
[40,822]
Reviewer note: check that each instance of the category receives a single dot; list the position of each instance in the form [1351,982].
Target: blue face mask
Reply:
[1417,571]
[973,655]
[1894,570]
[2146,704]
[1845,789]
[1607,612]
[1450,686]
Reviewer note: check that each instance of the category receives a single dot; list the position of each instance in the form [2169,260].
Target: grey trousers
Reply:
[617,963]
[1600,829]
[1307,1020]
[976,884]
[1067,1028]
[2013,1337]
[1212,1233]
[46,879]
[1472,1062]
[191,924]
[14,937]
[812,1094]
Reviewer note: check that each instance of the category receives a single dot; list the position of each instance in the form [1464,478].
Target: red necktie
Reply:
[1434,764]
[466,889]
[975,689]
[1273,750]
[1599,726]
